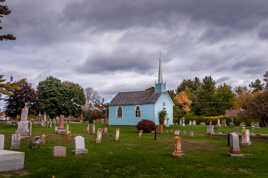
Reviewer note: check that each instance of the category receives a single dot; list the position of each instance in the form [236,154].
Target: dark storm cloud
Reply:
[251,65]
[118,61]
[120,14]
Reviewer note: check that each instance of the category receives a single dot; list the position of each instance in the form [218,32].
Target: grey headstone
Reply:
[59,151]
[11,160]
[15,141]
[234,144]
[99,136]
[2,142]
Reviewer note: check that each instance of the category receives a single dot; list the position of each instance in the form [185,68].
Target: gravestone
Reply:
[210,129]
[184,132]
[15,141]
[231,123]
[183,122]
[180,121]
[60,130]
[178,149]
[43,137]
[68,134]
[88,128]
[36,142]
[59,151]
[140,133]
[93,129]
[224,123]
[117,134]
[79,145]
[191,133]
[105,131]
[2,142]
[219,122]
[190,123]
[24,125]
[245,137]
[177,132]
[234,145]
[11,160]
[194,122]
[202,123]
[99,136]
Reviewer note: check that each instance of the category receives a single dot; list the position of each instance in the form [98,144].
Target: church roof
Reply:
[135,97]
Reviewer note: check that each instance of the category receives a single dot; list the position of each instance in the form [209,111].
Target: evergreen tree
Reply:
[224,98]
[205,104]
[4,10]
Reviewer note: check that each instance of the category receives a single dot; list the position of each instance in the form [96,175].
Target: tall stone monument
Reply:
[61,129]
[24,125]
[178,150]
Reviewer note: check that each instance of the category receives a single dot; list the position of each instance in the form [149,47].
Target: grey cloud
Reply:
[119,14]
[118,61]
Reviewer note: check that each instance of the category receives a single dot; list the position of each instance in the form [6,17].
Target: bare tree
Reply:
[92,96]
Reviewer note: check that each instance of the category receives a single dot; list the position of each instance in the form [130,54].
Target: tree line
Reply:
[203,97]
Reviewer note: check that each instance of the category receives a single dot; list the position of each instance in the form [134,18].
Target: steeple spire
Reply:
[160,72]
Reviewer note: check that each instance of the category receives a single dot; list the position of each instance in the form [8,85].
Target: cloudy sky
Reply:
[114,45]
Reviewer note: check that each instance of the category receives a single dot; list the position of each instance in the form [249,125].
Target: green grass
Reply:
[205,156]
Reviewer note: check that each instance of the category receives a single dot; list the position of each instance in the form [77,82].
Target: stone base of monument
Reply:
[235,154]
[61,131]
[246,144]
[11,160]
[80,151]
[177,154]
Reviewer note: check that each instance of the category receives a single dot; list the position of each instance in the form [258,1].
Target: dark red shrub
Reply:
[146,125]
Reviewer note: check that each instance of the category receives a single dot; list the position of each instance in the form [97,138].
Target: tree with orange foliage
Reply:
[183,101]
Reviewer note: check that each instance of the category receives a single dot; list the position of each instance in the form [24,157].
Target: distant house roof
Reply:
[232,112]
[135,97]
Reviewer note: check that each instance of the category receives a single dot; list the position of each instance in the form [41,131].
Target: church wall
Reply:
[128,116]
[159,107]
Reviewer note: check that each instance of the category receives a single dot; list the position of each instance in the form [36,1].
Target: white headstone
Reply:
[93,129]
[190,123]
[79,145]
[234,145]
[140,133]
[219,122]
[210,129]
[183,122]
[117,133]
[99,136]
[194,122]
[177,132]
[2,142]
[191,133]
[15,141]
[180,121]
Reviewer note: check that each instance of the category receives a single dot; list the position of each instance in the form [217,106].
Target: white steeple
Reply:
[160,72]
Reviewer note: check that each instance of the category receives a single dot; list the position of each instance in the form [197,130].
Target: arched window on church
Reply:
[164,105]
[138,111]
[119,112]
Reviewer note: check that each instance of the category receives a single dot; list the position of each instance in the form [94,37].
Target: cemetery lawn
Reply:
[132,156]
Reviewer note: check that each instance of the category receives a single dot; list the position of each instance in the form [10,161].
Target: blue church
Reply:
[128,108]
